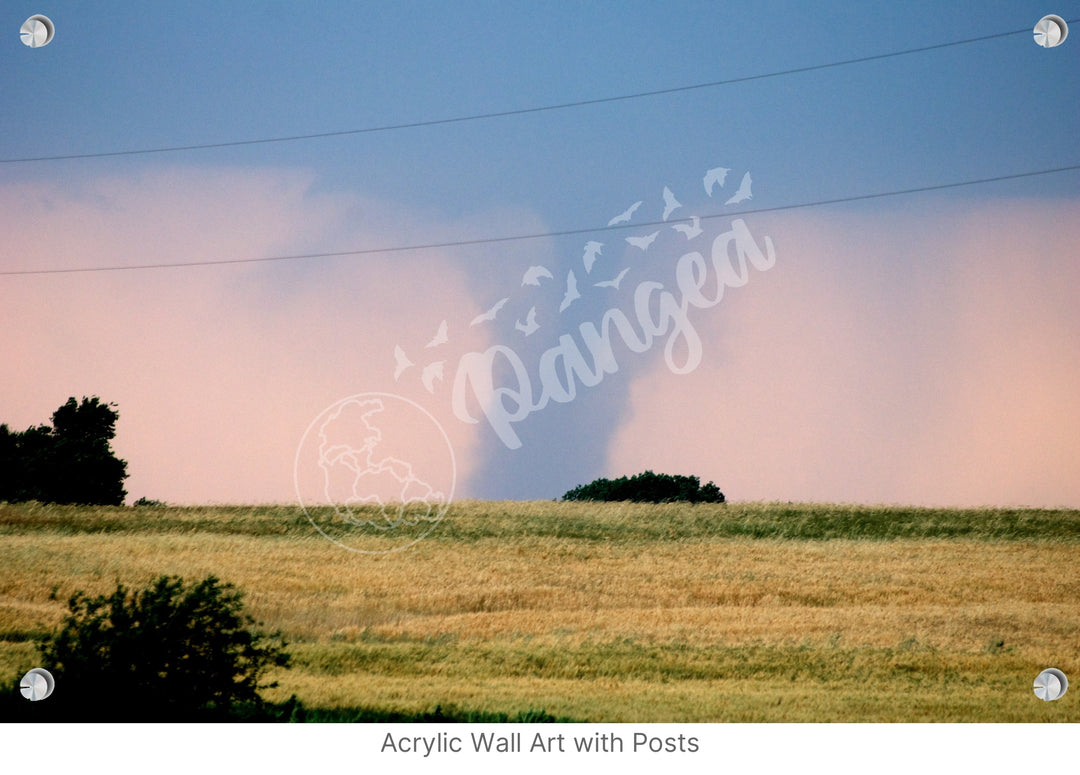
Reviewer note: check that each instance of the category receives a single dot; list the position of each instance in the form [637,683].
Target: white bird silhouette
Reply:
[625,216]
[530,325]
[743,193]
[613,283]
[592,252]
[691,230]
[671,204]
[439,338]
[643,242]
[715,176]
[401,361]
[534,273]
[490,314]
[571,294]
[432,372]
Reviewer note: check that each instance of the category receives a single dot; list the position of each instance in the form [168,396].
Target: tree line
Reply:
[71,461]
[648,487]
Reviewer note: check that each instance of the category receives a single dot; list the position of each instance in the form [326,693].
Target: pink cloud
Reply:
[928,356]
[216,371]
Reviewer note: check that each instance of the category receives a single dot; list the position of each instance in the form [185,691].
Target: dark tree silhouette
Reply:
[168,652]
[88,471]
[647,487]
[27,460]
[70,462]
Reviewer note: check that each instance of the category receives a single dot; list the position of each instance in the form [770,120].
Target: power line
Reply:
[519,111]
[541,235]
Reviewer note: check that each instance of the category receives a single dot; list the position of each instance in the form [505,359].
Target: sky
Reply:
[813,341]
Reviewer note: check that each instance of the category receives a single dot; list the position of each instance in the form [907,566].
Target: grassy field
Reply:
[610,612]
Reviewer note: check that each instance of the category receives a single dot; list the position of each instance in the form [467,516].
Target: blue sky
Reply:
[130,77]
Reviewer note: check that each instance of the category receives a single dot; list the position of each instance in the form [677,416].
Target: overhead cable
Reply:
[536,235]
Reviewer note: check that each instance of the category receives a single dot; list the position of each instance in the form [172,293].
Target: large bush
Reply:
[647,487]
[167,652]
[70,462]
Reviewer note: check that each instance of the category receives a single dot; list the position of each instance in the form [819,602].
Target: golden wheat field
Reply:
[609,612]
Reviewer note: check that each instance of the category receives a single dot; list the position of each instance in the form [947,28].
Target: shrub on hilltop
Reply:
[648,487]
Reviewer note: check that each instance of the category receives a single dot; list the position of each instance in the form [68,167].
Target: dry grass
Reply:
[611,612]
